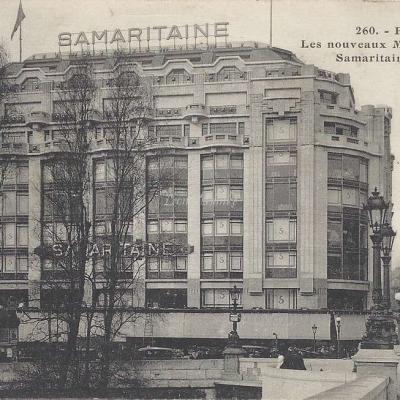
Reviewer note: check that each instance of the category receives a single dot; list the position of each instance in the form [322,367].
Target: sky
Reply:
[294,21]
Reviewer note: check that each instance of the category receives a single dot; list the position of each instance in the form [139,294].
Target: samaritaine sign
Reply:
[138,249]
[139,37]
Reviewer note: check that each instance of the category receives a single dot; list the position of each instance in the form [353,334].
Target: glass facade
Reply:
[347,222]
[281,198]
[222,216]
[167,214]
[14,207]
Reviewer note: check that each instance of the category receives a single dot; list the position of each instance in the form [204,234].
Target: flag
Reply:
[20,17]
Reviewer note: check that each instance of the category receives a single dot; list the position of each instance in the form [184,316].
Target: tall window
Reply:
[281,197]
[166,217]
[14,209]
[347,222]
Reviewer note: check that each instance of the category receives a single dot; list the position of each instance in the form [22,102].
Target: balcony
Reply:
[37,119]
[222,110]
[168,112]
[223,140]
[195,112]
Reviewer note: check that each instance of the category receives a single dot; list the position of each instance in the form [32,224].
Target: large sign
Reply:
[138,38]
[138,249]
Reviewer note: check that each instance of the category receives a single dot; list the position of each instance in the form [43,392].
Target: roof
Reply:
[248,51]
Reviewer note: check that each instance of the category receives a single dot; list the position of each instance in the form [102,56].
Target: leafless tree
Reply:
[94,192]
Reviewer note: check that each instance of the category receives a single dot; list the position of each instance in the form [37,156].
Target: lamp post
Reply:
[377,210]
[388,236]
[314,331]
[380,326]
[276,340]
[338,326]
[234,317]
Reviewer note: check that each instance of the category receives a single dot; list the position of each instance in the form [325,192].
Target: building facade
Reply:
[269,163]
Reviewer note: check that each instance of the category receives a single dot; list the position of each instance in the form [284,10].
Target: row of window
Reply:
[222,161]
[223,128]
[221,193]
[14,203]
[346,196]
[336,128]
[222,227]
[222,261]
[166,226]
[12,263]
[341,166]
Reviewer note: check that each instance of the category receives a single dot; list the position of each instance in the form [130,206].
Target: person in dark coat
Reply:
[293,360]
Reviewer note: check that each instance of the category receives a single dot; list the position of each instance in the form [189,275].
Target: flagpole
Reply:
[270,23]
[20,42]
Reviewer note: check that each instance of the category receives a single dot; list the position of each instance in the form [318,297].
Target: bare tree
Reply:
[128,107]
[66,218]
[94,190]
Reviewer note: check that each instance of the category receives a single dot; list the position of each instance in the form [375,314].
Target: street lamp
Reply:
[380,326]
[377,210]
[388,236]
[234,317]
[276,340]
[338,324]
[314,331]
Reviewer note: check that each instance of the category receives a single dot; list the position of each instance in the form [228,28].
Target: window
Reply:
[22,264]
[328,97]
[207,262]
[218,298]
[9,235]
[350,197]
[237,162]
[100,171]
[207,163]
[281,259]
[223,128]
[334,233]
[9,201]
[281,230]
[22,236]
[221,161]
[166,264]
[236,260]
[22,175]
[334,166]
[153,264]
[221,192]
[169,130]
[236,193]
[207,228]
[351,168]
[236,227]
[181,263]
[180,226]
[221,227]
[335,196]
[9,263]
[281,130]
[152,227]
[364,171]
[281,196]
[167,226]
[221,261]
[208,194]
[22,203]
